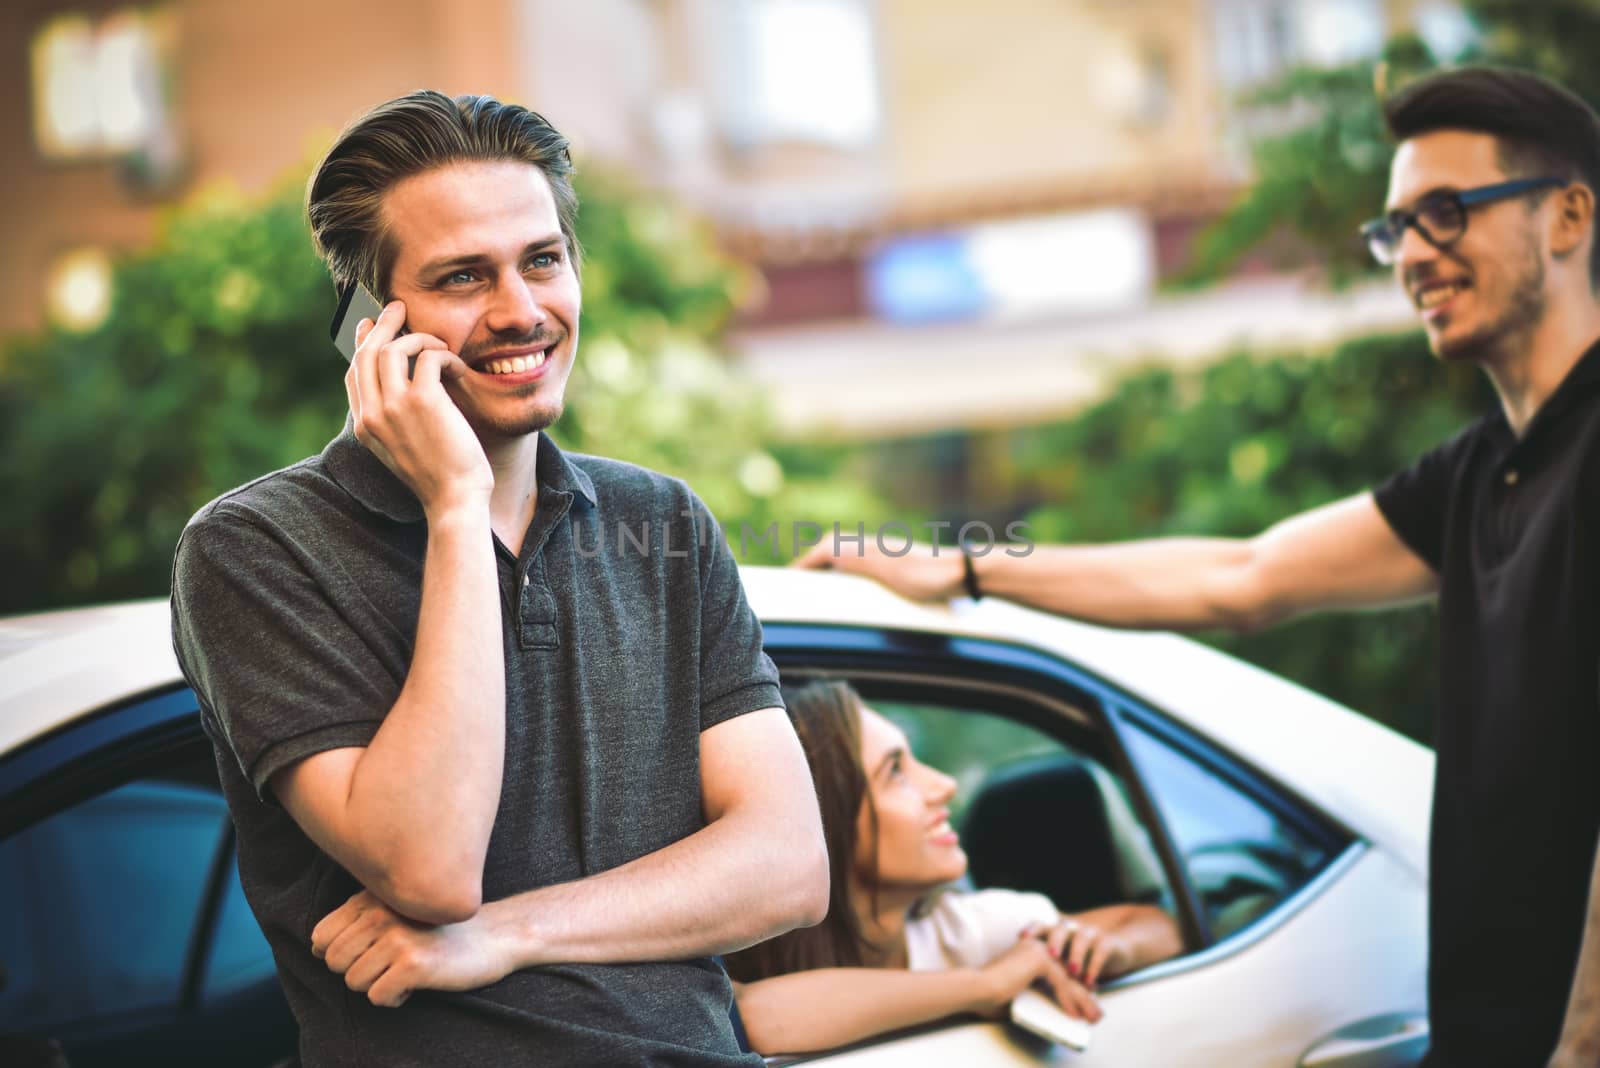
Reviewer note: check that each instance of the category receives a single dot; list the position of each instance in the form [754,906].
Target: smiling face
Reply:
[1483,294]
[916,848]
[481,264]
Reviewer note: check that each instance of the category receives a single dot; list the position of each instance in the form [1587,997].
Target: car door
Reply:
[124,934]
[1293,925]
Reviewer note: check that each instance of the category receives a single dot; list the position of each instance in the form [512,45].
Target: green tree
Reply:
[214,367]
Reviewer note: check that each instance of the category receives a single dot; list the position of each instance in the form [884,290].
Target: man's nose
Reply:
[515,307]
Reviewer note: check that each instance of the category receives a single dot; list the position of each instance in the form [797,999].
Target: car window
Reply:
[101,902]
[1243,850]
[240,957]
[1036,812]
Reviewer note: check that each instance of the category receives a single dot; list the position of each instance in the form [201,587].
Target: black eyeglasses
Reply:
[1441,218]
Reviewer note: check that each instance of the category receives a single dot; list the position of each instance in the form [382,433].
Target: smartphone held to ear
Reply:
[355,304]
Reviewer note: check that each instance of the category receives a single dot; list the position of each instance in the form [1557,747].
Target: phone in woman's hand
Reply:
[1033,1011]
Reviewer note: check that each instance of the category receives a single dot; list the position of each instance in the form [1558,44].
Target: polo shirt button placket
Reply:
[1506,525]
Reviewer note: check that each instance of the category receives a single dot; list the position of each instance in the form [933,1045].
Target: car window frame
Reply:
[93,753]
[122,742]
[1060,688]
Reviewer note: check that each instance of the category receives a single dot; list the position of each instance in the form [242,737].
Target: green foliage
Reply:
[1232,448]
[1321,160]
[214,367]
[1321,154]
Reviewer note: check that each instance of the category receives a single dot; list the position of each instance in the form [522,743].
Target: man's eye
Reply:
[458,278]
[1437,213]
[544,261]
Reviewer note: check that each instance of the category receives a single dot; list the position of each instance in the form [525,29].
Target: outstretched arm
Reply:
[1342,555]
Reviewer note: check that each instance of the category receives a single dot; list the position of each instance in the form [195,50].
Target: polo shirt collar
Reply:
[1581,379]
[559,473]
[376,488]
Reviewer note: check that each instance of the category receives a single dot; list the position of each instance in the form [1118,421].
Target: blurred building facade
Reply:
[925,185]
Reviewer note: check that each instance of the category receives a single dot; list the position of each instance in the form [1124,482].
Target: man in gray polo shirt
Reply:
[503,782]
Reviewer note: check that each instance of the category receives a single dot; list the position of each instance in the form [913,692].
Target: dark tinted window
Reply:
[99,903]
[1243,857]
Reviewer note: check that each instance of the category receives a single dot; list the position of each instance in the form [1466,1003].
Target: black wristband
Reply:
[969,575]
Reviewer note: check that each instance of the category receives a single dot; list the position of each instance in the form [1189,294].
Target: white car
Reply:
[1287,834]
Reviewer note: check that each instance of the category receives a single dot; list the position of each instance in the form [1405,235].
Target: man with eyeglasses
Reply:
[1490,229]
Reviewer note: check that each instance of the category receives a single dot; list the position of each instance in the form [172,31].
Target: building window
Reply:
[98,85]
[800,72]
[1255,40]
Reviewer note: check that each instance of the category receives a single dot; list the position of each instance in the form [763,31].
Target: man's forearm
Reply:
[1170,583]
[1342,555]
[739,880]
[411,817]
[1580,1033]
[428,786]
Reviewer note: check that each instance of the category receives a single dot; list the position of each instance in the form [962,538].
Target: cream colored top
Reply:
[970,928]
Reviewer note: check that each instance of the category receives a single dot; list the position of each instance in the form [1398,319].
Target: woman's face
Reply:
[917,848]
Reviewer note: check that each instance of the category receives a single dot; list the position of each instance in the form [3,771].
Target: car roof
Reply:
[58,666]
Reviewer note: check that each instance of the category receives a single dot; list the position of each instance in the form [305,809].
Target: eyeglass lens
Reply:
[1439,219]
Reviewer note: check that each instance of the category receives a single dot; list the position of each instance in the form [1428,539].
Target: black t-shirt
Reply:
[1510,527]
[626,634]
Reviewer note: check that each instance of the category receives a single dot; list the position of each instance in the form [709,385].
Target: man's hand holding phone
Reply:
[409,421]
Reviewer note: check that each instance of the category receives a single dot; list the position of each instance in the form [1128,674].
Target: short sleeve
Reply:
[961,929]
[1415,501]
[278,670]
[736,676]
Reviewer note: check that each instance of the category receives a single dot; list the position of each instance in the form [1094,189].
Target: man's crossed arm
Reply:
[758,868]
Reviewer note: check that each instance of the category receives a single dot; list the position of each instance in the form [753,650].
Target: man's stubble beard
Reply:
[529,422]
[1509,335]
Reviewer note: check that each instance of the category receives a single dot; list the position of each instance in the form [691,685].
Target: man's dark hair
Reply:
[407,136]
[1541,128]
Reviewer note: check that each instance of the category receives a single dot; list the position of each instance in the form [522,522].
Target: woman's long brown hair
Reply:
[827,717]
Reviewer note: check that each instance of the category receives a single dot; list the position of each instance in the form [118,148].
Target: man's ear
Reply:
[1574,219]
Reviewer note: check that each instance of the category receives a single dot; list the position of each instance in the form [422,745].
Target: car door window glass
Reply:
[1242,857]
[101,902]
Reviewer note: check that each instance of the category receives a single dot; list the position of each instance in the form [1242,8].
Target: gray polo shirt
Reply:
[626,634]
